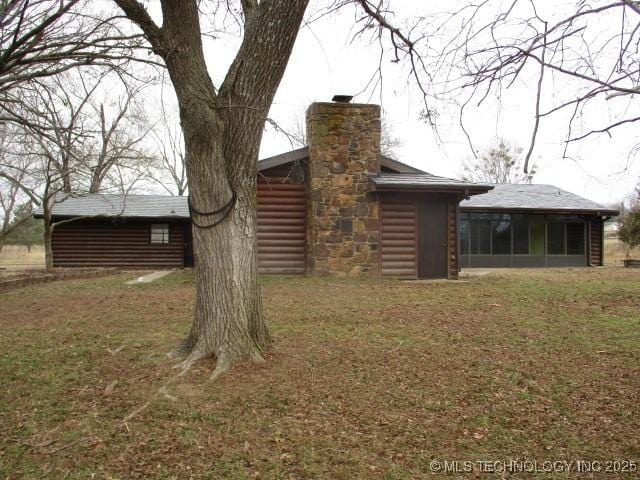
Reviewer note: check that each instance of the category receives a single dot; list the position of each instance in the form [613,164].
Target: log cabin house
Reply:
[340,207]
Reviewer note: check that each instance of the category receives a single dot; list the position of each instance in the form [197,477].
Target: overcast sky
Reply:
[326,61]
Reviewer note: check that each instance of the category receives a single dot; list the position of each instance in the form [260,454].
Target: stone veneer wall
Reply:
[343,214]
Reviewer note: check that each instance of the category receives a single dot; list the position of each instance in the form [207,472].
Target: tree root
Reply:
[195,355]
[183,349]
[223,363]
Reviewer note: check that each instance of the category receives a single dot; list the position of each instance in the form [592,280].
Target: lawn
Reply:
[366,379]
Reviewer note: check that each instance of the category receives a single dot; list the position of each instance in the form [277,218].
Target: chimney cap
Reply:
[342,98]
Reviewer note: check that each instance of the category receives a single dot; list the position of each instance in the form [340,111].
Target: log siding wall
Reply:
[398,238]
[103,243]
[281,223]
[452,237]
[596,241]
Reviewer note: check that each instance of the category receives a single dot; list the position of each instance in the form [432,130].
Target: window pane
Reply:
[481,216]
[464,236]
[159,233]
[501,237]
[481,237]
[575,238]
[520,234]
[555,238]
[536,235]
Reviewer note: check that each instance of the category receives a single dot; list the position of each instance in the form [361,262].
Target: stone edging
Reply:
[13,283]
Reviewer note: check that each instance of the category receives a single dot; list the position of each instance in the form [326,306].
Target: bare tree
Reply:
[580,57]
[117,144]
[12,198]
[37,179]
[577,58]
[501,163]
[12,213]
[169,170]
[43,38]
[89,146]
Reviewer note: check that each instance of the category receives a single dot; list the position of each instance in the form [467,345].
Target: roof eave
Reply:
[113,217]
[467,190]
[566,211]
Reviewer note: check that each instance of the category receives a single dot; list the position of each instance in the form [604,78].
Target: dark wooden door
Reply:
[432,239]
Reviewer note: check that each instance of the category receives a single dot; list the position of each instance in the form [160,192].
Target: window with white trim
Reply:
[160,233]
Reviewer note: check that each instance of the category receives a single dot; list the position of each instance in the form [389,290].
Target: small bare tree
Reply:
[629,224]
[501,163]
[12,211]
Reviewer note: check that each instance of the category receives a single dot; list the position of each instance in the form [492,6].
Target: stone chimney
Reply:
[344,147]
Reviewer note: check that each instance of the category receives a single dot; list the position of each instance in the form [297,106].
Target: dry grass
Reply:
[615,252]
[366,379]
[13,256]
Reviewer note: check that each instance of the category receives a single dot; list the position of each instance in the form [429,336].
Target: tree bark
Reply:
[222,133]
[48,237]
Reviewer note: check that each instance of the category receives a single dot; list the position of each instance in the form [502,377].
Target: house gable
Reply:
[301,155]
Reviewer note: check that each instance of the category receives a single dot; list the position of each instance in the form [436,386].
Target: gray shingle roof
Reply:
[130,206]
[401,181]
[533,197]
[502,197]
[303,153]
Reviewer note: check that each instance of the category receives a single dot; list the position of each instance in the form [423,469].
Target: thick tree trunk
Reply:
[222,133]
[94,187]
[229,322]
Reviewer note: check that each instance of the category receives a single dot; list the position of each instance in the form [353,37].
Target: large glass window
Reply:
[520,226]
[575,238]
[522,234]
[501,235]
[536,235]
[464,233]
[480,225]
[555,237]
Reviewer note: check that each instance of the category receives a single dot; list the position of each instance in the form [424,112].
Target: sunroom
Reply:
[530,226]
